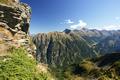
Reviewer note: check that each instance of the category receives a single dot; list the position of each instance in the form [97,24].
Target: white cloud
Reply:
[117,18]
[79,25]
[69,21]
[108,27]
[82,24]
[112,27]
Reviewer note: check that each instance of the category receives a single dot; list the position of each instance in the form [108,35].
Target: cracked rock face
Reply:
[15,18]
[14,24]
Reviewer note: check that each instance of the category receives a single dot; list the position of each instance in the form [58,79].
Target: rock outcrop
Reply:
[14,24]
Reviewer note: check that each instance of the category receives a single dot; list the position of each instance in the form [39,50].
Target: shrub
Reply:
[84,68]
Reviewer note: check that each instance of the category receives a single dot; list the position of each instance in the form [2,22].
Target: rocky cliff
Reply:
[17,61]
[14,25]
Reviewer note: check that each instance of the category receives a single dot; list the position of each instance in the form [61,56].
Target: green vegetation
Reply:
[88,70]
[18,66]
[79,71]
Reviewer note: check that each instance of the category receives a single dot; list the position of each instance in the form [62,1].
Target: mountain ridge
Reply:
[48,44]
[64,47]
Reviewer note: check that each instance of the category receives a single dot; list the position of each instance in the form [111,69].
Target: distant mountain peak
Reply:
[67,31]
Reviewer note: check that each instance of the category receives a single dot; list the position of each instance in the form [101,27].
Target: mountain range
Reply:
[85,54]
[72,46]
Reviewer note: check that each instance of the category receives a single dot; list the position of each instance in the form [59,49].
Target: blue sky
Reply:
[57,15]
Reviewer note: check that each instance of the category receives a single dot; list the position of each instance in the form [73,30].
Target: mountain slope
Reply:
[102,41]
[109,44]
[61,49]
[106,67]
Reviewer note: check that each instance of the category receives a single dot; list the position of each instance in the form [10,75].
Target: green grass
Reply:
[18,66]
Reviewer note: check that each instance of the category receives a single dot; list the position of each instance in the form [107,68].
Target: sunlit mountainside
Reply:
[43,50]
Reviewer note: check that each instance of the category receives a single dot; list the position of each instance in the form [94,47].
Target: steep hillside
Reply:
[109,44]
[17,60]
[71,51]
[19,65]
[102,41]
[75,45]
[108,59]
[61,49]
[103,68]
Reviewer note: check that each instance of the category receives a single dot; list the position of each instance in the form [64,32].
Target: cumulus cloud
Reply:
[69,21]
[82,24]
[79,25]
